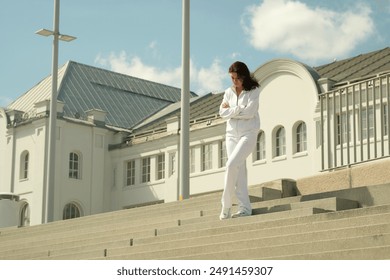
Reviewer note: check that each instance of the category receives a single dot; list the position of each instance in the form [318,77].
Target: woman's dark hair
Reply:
[248,81]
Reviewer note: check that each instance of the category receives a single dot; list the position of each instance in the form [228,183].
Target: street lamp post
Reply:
[185,105]
[48,215]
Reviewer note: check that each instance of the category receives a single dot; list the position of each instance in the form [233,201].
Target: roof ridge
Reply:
[132,92]
[66,65]
[23,102]
[123,74]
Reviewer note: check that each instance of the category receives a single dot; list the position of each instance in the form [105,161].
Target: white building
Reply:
[118,136]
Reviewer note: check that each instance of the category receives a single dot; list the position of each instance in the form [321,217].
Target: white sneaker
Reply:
[225,214]
[242,213]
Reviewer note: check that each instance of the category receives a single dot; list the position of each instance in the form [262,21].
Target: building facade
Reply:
[118,137]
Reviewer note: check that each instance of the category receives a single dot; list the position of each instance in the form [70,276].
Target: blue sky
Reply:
[142,38]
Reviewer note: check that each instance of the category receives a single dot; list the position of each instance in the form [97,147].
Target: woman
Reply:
[239,107]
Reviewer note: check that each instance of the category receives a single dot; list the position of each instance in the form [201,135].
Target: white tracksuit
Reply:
[242,127]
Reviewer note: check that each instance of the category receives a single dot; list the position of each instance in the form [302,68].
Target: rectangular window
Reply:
[24,160]
[74,166]
[145,176]
[160,166]
[192,160]
[222,154]
[385,119]
[343,131]
[207,157]
[367,132]
[130,173]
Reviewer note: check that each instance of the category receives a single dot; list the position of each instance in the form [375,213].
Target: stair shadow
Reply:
[271,209]
[362,195]
[254,199]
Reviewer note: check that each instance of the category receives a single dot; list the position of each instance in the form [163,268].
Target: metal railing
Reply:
[354,122]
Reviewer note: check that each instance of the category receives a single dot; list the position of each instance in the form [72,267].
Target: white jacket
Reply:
[243,114]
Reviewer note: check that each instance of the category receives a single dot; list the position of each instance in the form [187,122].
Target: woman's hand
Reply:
[225,105]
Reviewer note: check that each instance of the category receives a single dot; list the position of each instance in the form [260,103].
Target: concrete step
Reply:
[139,213]
[191,228]
[207,228]
[270,227]
[291,203]
[279,205]
[277,240]
[371,253]
[191,205]
[209,221]
[108,234]
[330,204]
[190,216]
[232,250]
[194,207]
[96,222]
[263,232]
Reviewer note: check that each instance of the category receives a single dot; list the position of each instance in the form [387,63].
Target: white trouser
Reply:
[238,149]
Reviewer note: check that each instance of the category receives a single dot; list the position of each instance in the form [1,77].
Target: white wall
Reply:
[288,96]
[31,138]
[91,144]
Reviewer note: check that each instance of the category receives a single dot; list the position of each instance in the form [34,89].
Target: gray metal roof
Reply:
[126,99]
[356,67]
[200,107]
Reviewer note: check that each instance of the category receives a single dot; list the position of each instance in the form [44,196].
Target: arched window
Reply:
[280,142]
[260,146]
[24,165]
[301,138]
[74,166]
[71,211]
[24,215]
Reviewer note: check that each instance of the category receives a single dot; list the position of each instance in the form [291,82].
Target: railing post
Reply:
[322,132]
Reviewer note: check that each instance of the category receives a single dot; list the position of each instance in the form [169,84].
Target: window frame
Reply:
[160,166]
[280,141]
[24,214]
[222,153]
[261,151]
[145,170]
[301,137]
[207,157]
[24,165]
[73,214]
[74,166]
[130,173]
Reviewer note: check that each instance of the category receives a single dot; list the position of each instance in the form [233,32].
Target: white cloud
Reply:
[235,55]
[203,80]
[209,79]
[311,34]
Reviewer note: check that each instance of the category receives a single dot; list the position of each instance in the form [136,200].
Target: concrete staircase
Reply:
[284,225]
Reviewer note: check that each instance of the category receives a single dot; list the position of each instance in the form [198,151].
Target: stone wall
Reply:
[366,174]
